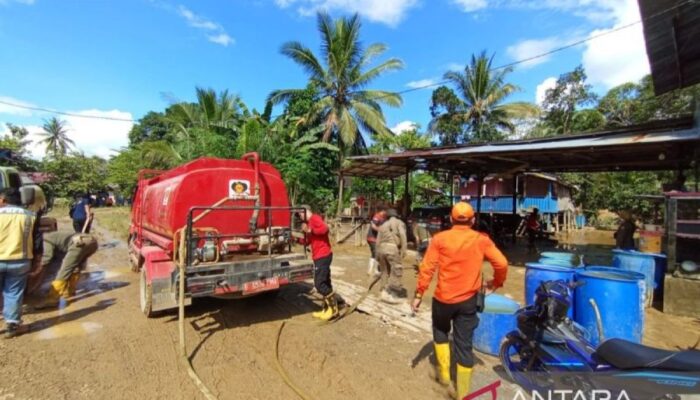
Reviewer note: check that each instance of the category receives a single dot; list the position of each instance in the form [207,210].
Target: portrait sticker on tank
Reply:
[238,187]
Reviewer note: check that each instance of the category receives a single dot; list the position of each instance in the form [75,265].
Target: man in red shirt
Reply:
[532,225]
[457,256]
[377,220]
[322,255]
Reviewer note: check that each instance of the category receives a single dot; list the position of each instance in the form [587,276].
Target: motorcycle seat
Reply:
[623,354]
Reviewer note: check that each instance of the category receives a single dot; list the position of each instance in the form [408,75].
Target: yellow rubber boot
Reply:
[58,289]
[322,312]
[73,283]
[464,381]
[332,309]
[442,369]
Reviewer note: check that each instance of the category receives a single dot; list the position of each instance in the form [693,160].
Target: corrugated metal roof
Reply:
[672,36]
[659,145]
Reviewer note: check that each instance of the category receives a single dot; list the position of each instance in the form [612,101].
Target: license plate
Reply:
[261,286]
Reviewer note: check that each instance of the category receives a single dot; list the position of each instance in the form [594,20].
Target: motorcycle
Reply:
[549,353]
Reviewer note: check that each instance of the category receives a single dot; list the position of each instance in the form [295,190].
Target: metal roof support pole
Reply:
[480,182]
[406,202]
[515,207]
[393,192]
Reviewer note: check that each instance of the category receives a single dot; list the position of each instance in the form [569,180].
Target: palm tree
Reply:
[56,137]
[345,107]
[480,106]
[221,113]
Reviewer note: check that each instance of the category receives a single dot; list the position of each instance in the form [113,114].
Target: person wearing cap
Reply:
[377,220]
[457,255]
[391,249]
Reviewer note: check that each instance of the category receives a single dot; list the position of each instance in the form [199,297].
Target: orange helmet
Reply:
[462,211]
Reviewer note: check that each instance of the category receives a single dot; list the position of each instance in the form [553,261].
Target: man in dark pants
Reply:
[81,213]
[532,226]
[457,255]
[317,238]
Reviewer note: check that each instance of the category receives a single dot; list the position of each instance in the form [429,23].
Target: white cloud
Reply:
[542,88]
[92,136]
[99,136]
[471,5]
[404,126]
[526,49]
[8,109]
[217,34]
[454,66]
[25,2]
[389,12]
[222,39]
[620,56]
[421,83]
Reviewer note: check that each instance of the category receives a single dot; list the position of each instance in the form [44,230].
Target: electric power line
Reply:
[550,52]
[48,110]
[413,89]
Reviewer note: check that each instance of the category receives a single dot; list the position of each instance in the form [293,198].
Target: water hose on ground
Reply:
[183,348]
[278,363]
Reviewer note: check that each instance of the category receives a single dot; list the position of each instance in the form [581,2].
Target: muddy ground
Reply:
[101,346]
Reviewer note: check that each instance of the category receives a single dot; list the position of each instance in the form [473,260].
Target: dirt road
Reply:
[100,346]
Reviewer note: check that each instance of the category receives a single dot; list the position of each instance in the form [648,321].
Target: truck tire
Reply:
[146,296]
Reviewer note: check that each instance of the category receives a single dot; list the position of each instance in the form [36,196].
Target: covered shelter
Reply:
[658,145]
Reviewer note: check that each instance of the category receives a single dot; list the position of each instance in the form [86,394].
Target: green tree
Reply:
[123,168]
[341,75]
[75,173]
[447,121]
[152,126]
[17,141]
[56,137]
[481,111]
[561,102]
[210,124]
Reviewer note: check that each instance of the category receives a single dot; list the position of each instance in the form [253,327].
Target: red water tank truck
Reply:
[227,222]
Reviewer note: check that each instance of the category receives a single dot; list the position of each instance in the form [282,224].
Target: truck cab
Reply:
[11,177]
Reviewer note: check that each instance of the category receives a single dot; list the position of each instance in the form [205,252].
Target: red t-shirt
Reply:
[318,238]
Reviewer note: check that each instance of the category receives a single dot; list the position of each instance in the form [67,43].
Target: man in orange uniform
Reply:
[457,255]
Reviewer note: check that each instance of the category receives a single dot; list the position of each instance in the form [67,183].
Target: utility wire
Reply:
[48,110]
[413,89]
[550,52]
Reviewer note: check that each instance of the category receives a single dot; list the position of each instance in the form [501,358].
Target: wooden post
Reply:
[515,207]
[393,192]
[341,182]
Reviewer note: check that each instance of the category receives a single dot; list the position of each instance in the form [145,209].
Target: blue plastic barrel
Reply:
[652,266]
[558,258]
[536,273]
[619,296]
[495,322]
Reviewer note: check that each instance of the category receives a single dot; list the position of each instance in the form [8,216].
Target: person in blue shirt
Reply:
[81,213]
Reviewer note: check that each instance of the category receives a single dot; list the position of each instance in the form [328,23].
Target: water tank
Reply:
[495,322]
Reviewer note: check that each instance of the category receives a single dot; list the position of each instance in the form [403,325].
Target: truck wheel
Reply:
[146,296]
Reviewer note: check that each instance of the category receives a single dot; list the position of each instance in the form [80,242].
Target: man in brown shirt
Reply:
[391,249]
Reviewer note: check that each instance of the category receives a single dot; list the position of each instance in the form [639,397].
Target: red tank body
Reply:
[240,239]
[162,203]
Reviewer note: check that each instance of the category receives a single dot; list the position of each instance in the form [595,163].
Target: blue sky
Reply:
[121,59]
